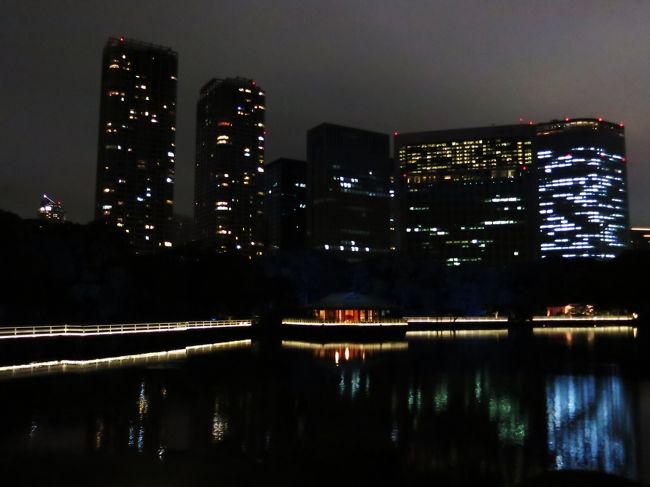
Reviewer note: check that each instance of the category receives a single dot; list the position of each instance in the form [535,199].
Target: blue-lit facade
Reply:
[583,204]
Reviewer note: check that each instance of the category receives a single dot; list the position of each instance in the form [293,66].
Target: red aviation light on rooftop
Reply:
[121,39]
[396,133]
[567,119]
[621,125]
[600,119]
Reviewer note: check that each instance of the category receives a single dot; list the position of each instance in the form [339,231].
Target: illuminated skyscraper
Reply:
[137,133]
[229,182]
[469,194]
[583,201]
[348,188]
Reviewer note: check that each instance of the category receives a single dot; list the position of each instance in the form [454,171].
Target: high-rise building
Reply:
[469,194]
[51,210]
[137,133]
[583,201]
[348,179]
[229,183]
[285,204]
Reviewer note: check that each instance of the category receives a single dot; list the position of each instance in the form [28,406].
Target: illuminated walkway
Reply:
[117,329]
[62,366]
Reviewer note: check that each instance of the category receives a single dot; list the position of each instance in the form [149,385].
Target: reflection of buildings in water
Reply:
[339,352]
[143,409]
[353,382]
[504,409]
[219,423]
[473,426]
[643,430]
[590,425]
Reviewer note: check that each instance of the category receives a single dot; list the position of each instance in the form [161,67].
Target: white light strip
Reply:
[293,322]
[367,347]
[54,366]
[451,334]
[101,330]
[489,319]
[586,329]
[450,319]
[584,318]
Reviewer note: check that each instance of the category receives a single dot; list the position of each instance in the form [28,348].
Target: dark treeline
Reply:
[70,273]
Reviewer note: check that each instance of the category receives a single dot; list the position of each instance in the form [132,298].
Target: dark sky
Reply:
[405,65]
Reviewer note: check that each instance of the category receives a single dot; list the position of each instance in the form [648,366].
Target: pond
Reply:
[470,408]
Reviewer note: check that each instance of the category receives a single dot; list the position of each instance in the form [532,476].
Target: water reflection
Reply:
[219,423]
[345,351]
[463,412]
[458,334]
[590,424]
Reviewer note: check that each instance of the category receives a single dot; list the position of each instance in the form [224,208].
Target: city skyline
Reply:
[423,83]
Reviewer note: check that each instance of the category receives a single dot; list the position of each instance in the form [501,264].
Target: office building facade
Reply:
[348,179]
[583,200]
[469,195]
[285,204]
[137,134]
[229,182]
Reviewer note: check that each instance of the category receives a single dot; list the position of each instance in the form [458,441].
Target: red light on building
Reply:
[405,175]
[600,119]
[621,125]
[566,119]
[121,39]
[524,168]
[530,122]
[396,133]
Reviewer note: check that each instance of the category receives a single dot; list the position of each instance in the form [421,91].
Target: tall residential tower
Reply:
[137,133]
[229,182]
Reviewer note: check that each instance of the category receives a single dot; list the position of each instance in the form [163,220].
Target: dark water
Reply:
[487,409]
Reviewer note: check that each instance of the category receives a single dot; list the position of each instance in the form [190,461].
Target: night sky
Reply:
[375,64]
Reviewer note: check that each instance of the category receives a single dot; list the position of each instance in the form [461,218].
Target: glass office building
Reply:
[583,202]
[469,194]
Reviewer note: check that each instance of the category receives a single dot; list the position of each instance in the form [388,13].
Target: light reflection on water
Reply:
[590,424]
[455,411]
